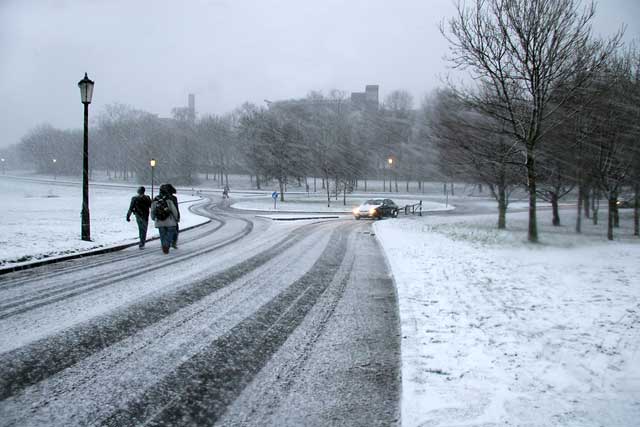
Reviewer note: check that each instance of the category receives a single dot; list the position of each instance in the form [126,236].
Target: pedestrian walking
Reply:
[164,212]
[171,190]
[139,207]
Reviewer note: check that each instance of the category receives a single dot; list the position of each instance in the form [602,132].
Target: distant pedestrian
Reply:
[165,213]
[171,190]
[139,206]
[225,191]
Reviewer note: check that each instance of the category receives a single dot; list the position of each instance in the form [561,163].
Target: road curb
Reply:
[52,260]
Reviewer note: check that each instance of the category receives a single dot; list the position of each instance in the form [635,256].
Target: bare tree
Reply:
[475,146]
[526,51]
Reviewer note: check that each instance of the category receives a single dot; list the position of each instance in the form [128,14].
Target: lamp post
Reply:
[86,93]
[55,170]
[153,166]
[2,160]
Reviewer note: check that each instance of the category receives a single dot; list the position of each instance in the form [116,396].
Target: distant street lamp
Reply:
[2,160]
[153,166]
[55,170]
[86,93]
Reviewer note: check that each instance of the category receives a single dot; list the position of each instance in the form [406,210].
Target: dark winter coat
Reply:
[140,206]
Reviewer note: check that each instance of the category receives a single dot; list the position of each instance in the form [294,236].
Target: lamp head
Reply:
[86,89]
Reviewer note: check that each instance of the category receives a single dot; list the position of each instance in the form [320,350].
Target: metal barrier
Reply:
[413,208]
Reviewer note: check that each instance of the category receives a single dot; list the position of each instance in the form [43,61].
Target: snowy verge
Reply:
[499,332]
[43,220]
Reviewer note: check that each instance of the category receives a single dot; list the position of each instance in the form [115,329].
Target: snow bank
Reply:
[499,332]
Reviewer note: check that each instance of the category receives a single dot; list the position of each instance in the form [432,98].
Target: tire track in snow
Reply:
[32,363]
[22,304]
[199,391]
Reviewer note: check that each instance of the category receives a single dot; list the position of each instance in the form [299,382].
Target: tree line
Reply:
[321,141]
[552,108]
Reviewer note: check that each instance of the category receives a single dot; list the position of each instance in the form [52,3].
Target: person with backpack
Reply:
[165,213]
[139,206]
[171,190]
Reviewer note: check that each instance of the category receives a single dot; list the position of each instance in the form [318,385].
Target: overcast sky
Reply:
[151,53]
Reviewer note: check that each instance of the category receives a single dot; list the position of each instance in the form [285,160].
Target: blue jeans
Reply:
[142,229]
[167,235]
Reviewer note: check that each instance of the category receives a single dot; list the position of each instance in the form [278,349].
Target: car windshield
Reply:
[374,202]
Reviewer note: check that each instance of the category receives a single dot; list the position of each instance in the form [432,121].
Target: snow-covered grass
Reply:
[42,219]
[496,331]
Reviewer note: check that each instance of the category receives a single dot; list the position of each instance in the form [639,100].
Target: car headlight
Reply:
[356,211]
[372,211]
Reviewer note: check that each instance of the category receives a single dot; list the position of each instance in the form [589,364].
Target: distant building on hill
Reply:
[367,100]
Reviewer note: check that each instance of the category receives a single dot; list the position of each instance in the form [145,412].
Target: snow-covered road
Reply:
[234,328]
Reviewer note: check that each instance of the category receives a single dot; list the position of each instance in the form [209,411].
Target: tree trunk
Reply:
[612,206]
[502,207]
[616,212]
[595,207]
[453,193]
[554,208]
[636,208]
[579,210]
[407,186]
[396,181]
[337,189]
[282,189]
[344,197]
[587,204]
[365,185]
[258,181]
[532,233]
[328,192]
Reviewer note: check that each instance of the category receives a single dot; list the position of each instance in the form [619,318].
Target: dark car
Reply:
[625,203]
[376,208]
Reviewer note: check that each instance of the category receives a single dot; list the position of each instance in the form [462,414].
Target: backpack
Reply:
[161,211]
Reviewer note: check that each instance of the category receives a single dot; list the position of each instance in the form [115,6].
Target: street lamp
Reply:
[153,166]
[86,93]
[2,160]
[55,170]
